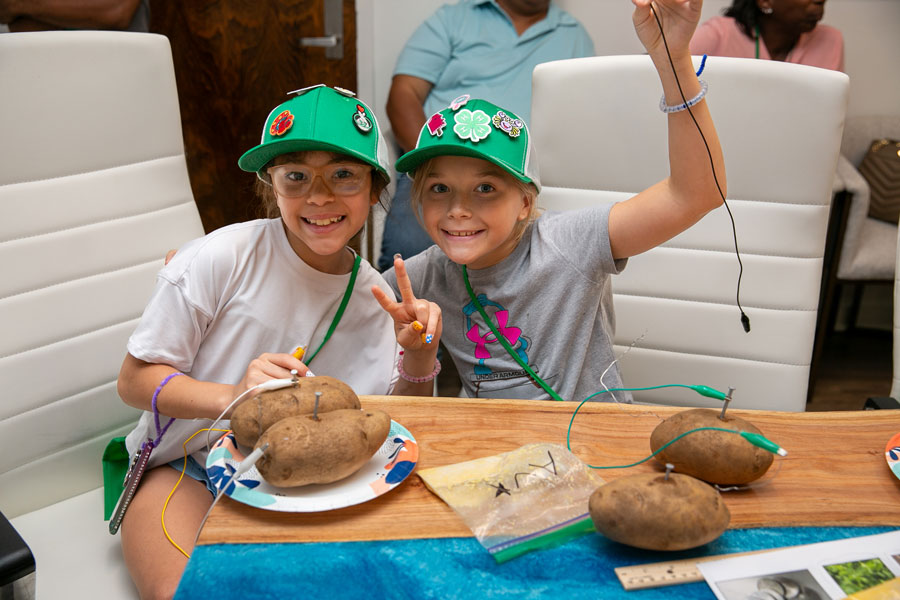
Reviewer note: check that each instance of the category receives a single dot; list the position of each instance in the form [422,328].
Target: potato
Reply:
[652,512]
[252,417]
[303,450]
[713,456]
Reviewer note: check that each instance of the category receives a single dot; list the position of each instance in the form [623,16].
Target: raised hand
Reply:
[679,19]
[417,322]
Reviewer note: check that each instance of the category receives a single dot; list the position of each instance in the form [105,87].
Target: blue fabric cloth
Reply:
[459,568]
[472,47]
[402,232]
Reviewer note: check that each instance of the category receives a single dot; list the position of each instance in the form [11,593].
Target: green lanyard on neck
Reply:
[503,341]
[341,308]
[757,41]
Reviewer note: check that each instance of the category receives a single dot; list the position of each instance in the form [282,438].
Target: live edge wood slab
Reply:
[835,473]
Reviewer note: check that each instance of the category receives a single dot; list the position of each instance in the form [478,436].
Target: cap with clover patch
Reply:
[477,128]
[320,118]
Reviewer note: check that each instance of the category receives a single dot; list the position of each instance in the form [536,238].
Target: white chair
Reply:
[892,401]
[867,246]
[94,190]
[601,138]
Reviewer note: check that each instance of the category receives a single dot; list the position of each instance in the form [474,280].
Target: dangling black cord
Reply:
[745,320]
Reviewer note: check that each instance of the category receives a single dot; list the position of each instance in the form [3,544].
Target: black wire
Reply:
[745,320]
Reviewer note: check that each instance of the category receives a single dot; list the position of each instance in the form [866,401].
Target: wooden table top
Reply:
[835,473]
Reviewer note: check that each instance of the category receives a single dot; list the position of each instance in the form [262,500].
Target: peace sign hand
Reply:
[417,322]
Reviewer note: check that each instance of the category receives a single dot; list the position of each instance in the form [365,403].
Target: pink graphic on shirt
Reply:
[511,334]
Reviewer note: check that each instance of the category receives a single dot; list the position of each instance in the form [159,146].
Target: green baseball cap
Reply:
[320,118]
[477,128]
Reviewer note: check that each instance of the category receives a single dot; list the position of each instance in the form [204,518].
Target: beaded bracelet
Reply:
[411,378]
[685,105]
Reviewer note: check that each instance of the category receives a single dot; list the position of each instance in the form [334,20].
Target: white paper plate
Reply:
[393,463]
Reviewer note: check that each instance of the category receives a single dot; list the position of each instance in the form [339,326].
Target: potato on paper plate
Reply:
[304,450]
[254,416]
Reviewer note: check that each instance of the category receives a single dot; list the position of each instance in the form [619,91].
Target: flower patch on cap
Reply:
[459,102]
[361,120]
[436,124]
[282,123]
[511,126]
[471,125]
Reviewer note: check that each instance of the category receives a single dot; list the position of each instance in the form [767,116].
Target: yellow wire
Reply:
[169,497]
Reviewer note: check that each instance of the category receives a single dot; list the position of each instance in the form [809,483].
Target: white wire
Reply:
[272,384]
[242,468]
[616,360]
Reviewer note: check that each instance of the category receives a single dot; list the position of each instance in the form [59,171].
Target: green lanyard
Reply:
[757,41]
[503,341]
[341,308]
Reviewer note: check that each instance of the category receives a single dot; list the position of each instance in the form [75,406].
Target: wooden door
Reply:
[235,60]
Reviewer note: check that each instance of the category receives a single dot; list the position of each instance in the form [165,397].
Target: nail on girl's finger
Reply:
[417,326]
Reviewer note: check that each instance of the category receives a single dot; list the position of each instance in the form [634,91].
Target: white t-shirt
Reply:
[242,291]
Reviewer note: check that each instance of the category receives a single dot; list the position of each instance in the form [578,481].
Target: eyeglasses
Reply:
[296,181]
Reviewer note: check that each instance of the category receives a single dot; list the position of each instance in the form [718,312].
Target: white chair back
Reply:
[94,190]
[601,138]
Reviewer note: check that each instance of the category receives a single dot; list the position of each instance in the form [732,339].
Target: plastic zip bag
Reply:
[530,498]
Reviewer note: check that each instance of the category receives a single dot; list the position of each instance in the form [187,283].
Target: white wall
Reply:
[870,29]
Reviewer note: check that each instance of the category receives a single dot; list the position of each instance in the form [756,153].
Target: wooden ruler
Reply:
[673,572]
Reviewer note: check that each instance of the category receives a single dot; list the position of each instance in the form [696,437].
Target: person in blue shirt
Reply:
[484,48]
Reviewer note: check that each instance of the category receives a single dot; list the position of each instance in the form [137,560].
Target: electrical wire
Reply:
[242,468]
[272,384]
[745,320]
[751,437]
[169,497]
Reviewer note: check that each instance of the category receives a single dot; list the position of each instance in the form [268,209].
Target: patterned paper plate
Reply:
[892,454]
[393,463]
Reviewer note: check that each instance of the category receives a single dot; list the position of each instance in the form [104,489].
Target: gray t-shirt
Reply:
[551,299]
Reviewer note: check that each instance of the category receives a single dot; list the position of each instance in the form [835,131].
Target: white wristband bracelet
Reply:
[685,105]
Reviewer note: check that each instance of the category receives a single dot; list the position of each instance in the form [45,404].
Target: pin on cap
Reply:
[360,119]
[436,124]
[459,102]
[282,123]
[474,135]
[319,118]
[302,91]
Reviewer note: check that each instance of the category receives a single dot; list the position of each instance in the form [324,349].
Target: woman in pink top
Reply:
[785,30]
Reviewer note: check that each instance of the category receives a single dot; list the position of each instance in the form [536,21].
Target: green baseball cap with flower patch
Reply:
[320,118]
[477,128]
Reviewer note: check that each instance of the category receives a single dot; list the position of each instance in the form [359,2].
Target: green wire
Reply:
[658,450]
[703,390]
[550,391]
